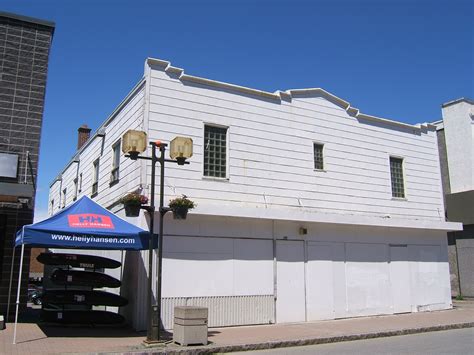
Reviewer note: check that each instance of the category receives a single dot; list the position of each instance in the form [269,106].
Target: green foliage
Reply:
[182,202]
[134,198]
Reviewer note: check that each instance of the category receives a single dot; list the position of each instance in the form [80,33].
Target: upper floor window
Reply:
[75,189]
[215,151]
[95,178]
[396,175]
[318,156]
[52,206]
[114,175]
[64,197]
[80,183]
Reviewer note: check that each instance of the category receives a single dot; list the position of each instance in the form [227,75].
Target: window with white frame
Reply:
[114,174]
[64,197]
[52,206]
[75,189]
[397,178]
[80,183]
[95,178]
[215,151]
[318,156]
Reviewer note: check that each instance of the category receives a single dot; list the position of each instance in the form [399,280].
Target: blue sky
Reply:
[394,59]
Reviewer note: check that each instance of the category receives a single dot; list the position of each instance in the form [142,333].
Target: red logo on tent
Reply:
[90,220]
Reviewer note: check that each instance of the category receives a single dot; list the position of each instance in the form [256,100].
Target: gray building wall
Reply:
[24,52]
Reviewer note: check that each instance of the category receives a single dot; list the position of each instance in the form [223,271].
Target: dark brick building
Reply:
[24,51]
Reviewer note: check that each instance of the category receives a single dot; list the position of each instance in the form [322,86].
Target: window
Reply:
[95,178]
[80,182]
[215,151]
[52,206]
[318,156]
[114,174]
[396,174]
[75,189]
[64,197]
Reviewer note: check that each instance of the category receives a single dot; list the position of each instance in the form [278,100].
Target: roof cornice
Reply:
[100,131]
[279,95]
[457,101]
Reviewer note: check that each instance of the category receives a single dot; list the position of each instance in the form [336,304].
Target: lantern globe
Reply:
[134,142]
[181,148]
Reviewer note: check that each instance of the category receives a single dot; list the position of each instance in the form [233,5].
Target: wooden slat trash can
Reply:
[190,325]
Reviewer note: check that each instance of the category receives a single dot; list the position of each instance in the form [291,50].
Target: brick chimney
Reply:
[83,134]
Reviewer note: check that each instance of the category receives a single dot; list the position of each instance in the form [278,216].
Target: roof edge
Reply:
[280,95]
[97,133]
[457,101]
[23,18]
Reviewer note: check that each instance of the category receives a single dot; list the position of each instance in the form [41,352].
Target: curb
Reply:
[213,349]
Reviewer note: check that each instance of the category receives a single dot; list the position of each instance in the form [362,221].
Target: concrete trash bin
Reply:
[190,325]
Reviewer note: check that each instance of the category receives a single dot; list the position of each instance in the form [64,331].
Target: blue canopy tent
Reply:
[83,225]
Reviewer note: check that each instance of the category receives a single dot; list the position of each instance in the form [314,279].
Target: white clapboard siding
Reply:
[270,153]
[129,115]
[240,103]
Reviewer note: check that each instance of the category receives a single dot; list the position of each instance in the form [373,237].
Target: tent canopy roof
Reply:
[86,225]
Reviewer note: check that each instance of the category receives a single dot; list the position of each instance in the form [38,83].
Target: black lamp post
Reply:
[134,143]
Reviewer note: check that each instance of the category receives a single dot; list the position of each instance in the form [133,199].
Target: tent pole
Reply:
[18,292]
[10,285]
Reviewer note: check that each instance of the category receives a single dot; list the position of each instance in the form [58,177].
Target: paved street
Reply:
[459,341]
[37,338]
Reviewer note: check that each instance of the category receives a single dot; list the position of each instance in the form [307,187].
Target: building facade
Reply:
[24,46]
[307,209]
[456,145]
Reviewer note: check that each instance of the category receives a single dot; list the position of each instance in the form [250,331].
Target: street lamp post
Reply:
[134,143]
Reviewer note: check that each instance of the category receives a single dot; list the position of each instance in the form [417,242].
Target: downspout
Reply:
[274,273]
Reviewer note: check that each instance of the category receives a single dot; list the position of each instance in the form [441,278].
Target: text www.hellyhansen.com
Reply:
[75,238]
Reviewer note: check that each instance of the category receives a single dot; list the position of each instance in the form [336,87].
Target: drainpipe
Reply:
[274,272]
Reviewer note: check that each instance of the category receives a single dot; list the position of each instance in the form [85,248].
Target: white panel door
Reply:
[427,278]
[320,281]
[400,279]
[290,304]
[367,279]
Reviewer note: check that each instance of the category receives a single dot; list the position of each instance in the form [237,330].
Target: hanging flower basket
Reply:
[180,213]
[180,207]
[132,210]
[132,203]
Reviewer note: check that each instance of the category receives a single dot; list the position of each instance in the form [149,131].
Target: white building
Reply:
[456,148]
[307,208]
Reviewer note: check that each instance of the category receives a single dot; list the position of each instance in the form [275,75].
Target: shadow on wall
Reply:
[220,249]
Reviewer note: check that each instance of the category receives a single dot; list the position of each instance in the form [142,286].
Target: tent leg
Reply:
[18,292]
[10,285]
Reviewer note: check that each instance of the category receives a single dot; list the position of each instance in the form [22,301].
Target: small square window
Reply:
[396,175]
[318,156]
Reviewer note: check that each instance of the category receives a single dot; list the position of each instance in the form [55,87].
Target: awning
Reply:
[86,225]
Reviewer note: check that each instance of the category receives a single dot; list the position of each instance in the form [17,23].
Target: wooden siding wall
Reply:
[270,153]
[128,116]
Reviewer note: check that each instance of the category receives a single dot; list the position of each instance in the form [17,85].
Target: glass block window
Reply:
[318,156]
[396,174]
[215,151]
[114,175]
[95,178]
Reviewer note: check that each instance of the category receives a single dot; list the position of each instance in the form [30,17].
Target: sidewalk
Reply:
[36,339]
